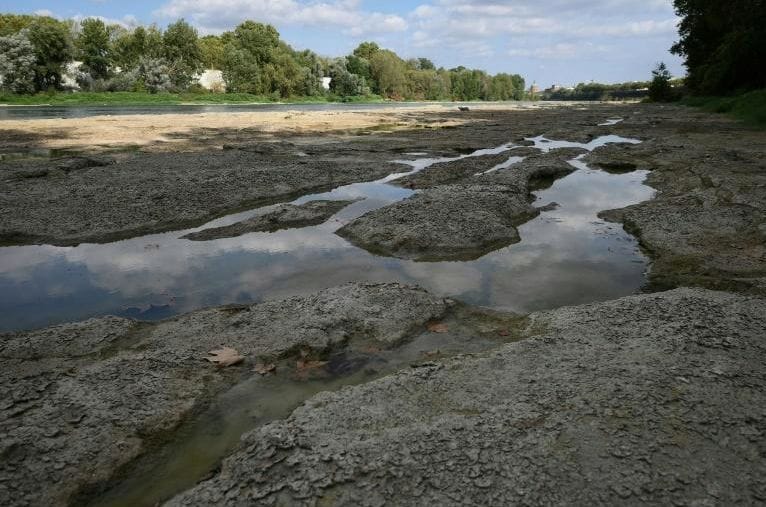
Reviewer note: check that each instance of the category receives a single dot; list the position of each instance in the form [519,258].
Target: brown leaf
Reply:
[303,364]
[438,328]
[431,353]
[226,356]
[265,369]
[371,350]
[504,332]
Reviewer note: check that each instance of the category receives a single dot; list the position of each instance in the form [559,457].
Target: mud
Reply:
[285,216]
[81,401]
[707,225]
[159,192]
[449,222]
[653,399]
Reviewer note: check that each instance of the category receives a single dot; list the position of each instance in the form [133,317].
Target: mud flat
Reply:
[83,400]
[651,398]
[648,399]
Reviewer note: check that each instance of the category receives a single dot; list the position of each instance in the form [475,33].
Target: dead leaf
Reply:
[431,353]
[438,328]
[226,356]
[265,369]
[504,332]
[371,350]
[303,364]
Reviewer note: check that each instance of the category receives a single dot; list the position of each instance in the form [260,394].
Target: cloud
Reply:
[218,15]
[448,23]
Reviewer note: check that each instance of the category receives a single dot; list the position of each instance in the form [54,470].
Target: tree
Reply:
[345,84]
[17,63]
[11,24]
[660,89]
[257,39]
[241,72]
[426,64]
[156,74]
[182,52]
[388,71]
[93,45]
[723,43]
[53,49]
[211,51]
[366,50]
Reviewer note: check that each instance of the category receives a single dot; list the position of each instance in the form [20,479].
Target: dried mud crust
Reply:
[449,222]
[68,201]
[82,400]
[652,399]
[155,192]
[707,224]
[463,220]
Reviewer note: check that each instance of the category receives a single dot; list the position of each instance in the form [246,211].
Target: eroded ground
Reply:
[653,398]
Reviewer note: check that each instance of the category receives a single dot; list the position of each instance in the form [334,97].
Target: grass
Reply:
[148,99]
[749,107]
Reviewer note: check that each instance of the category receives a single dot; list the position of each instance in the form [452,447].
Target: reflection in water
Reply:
[566,256]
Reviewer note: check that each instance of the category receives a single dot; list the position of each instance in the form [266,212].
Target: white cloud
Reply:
[217,15]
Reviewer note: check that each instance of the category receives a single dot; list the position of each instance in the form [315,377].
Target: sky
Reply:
[547,41]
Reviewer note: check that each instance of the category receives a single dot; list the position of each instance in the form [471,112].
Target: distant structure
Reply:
[534,92]
[212,80]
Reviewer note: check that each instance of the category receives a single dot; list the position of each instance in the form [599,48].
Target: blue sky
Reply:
[546,41]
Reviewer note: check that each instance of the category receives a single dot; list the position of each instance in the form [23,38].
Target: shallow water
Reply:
[200,445]
[51,112]
[566,256]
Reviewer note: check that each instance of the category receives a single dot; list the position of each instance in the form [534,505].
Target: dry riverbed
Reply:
[653,398]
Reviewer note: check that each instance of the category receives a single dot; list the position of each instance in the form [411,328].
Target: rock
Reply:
[113,389]
[449,222]
[285,216]
[590,402]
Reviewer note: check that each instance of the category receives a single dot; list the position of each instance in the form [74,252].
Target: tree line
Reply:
[35,50]
[723,44]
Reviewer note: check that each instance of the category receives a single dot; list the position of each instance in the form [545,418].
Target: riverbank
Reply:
[651,398]
[144,99]
[749,107]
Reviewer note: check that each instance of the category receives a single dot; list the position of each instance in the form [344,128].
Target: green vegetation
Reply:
[724,45]
[146,98]
[749,107]
[255,64]
[599,91]
[661,88]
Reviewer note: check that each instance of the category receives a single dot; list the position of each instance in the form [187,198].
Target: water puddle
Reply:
[611,121]
[200,445]
[505,165]
[566,256]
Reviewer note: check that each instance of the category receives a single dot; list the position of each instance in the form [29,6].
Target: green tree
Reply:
[366,50]
[389,73]
[53,49]
[723,43]
[660,89]
[241,72]
[94,49]
[211,51]
[345,84]
[426,64]
[17,63]
[11,24]
[182,52]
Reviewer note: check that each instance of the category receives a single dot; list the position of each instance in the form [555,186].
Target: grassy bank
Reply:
[147,99]
[749,107]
